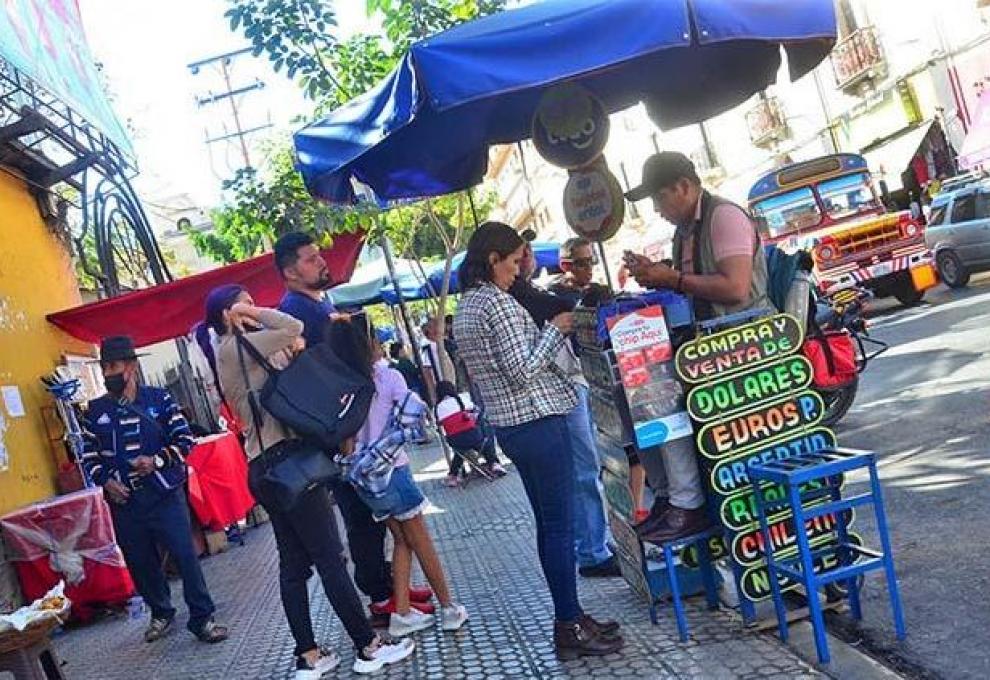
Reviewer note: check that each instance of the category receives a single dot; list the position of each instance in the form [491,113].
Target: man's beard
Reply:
[323,282]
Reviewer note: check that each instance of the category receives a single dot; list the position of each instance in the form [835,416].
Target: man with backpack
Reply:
[719,263]
[306,277]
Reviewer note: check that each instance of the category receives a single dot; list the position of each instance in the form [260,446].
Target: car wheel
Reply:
[905,292]
[951,269]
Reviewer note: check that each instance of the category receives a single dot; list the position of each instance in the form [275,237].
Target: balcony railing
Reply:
[858,57]
[766,122]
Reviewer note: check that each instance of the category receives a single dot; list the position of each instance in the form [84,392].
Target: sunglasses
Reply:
[582,262]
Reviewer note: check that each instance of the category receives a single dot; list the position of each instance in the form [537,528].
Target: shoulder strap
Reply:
[255,411]
[255,354]
[252,397]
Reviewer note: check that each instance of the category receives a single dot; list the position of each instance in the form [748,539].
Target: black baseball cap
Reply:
[663,170]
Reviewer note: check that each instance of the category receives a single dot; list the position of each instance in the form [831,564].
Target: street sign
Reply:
[751,392]
[743,391]
[738,349]
[760,426]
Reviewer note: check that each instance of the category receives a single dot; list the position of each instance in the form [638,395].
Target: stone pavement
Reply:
[487,541]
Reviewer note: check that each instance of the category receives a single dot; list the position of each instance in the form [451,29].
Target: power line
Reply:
[231,95]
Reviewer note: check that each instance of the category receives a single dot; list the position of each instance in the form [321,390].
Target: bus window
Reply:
[845,196]
[787,213]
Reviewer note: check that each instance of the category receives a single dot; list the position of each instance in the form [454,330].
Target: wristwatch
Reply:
[159,462]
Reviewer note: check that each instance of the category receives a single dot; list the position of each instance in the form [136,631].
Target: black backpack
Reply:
[317,396]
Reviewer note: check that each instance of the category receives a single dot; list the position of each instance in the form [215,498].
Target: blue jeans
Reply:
[591,532]
[142,525]
[402,499]
[541,451]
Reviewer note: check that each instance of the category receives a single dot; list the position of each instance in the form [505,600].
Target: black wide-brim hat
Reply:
[118,348]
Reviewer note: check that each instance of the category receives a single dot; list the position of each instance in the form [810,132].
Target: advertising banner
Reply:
[642,347]
[44,40]
[751,393]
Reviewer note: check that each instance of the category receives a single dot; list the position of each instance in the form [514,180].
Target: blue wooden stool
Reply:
[825,467]
[670,550]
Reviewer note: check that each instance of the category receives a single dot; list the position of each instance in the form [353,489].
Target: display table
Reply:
[68,538]
[218,490]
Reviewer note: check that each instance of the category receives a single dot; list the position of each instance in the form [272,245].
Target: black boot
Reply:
[573,639]
[661,505]
[605,629]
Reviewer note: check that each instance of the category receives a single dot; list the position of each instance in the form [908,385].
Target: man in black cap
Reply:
[136,442]
[718,259]
[719,263]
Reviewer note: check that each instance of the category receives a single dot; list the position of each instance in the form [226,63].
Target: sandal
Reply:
[157,629]
[212,632]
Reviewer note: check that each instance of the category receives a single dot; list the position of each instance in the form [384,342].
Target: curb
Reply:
[848,662]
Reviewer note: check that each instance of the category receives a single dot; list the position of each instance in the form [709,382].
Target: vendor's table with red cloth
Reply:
[218,490]
[68,538]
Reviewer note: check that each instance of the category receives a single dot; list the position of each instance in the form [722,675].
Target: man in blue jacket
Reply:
[136,442]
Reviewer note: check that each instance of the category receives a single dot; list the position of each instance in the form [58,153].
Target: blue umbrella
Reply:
[366,284]
[413,287]
[426,128]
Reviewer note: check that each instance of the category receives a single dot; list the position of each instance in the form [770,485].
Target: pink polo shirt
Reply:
[732,235]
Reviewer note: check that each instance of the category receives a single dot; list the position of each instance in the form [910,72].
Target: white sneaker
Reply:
[386,654]
[327,662]
[453,617]
[401,625]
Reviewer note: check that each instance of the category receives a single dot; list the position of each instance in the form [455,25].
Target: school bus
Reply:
[828,205]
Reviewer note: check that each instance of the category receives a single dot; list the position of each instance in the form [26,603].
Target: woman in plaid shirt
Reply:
[527,398]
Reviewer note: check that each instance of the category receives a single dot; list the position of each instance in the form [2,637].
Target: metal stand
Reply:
[825,467]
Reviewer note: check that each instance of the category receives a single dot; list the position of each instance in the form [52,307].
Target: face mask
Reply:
[116,384]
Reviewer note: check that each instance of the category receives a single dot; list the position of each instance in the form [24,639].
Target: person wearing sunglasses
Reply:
[577,262]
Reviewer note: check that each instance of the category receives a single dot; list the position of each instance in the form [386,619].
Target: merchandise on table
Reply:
[68,538]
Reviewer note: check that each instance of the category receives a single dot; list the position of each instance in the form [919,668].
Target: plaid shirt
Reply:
[511,360]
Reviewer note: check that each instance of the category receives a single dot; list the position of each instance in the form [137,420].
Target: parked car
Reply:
[961,181]
[958,233]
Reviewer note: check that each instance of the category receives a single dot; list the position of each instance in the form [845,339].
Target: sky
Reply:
[145,47]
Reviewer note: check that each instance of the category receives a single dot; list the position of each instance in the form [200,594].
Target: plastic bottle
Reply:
[135,607]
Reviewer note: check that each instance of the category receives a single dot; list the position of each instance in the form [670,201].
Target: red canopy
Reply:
[168,311]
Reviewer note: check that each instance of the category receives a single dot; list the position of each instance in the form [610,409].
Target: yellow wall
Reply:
[36,278]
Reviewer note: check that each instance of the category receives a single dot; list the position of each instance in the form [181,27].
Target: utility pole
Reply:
[231,95]
[822,99]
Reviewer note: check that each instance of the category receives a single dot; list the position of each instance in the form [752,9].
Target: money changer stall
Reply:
[738,392]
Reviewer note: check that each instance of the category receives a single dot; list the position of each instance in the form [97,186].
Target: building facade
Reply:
[901,87]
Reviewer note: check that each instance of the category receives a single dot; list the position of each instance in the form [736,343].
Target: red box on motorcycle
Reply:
[833,358]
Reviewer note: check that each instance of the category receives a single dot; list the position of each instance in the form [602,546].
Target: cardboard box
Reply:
[257,516]
[216,542]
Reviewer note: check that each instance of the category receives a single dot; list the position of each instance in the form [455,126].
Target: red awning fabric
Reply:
[170,310]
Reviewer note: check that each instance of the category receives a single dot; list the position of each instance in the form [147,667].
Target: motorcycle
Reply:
[843,312]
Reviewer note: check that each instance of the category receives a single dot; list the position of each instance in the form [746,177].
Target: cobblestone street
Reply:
[486,538]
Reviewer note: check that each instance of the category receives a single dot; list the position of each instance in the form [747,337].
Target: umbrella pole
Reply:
[390,263]
[608,273]
[474,211]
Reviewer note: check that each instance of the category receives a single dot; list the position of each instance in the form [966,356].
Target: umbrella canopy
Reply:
[546,254]
[426,128]
[168,311]
[365,287]
[413,287]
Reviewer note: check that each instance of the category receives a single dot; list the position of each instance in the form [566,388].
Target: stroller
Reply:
[470,438]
